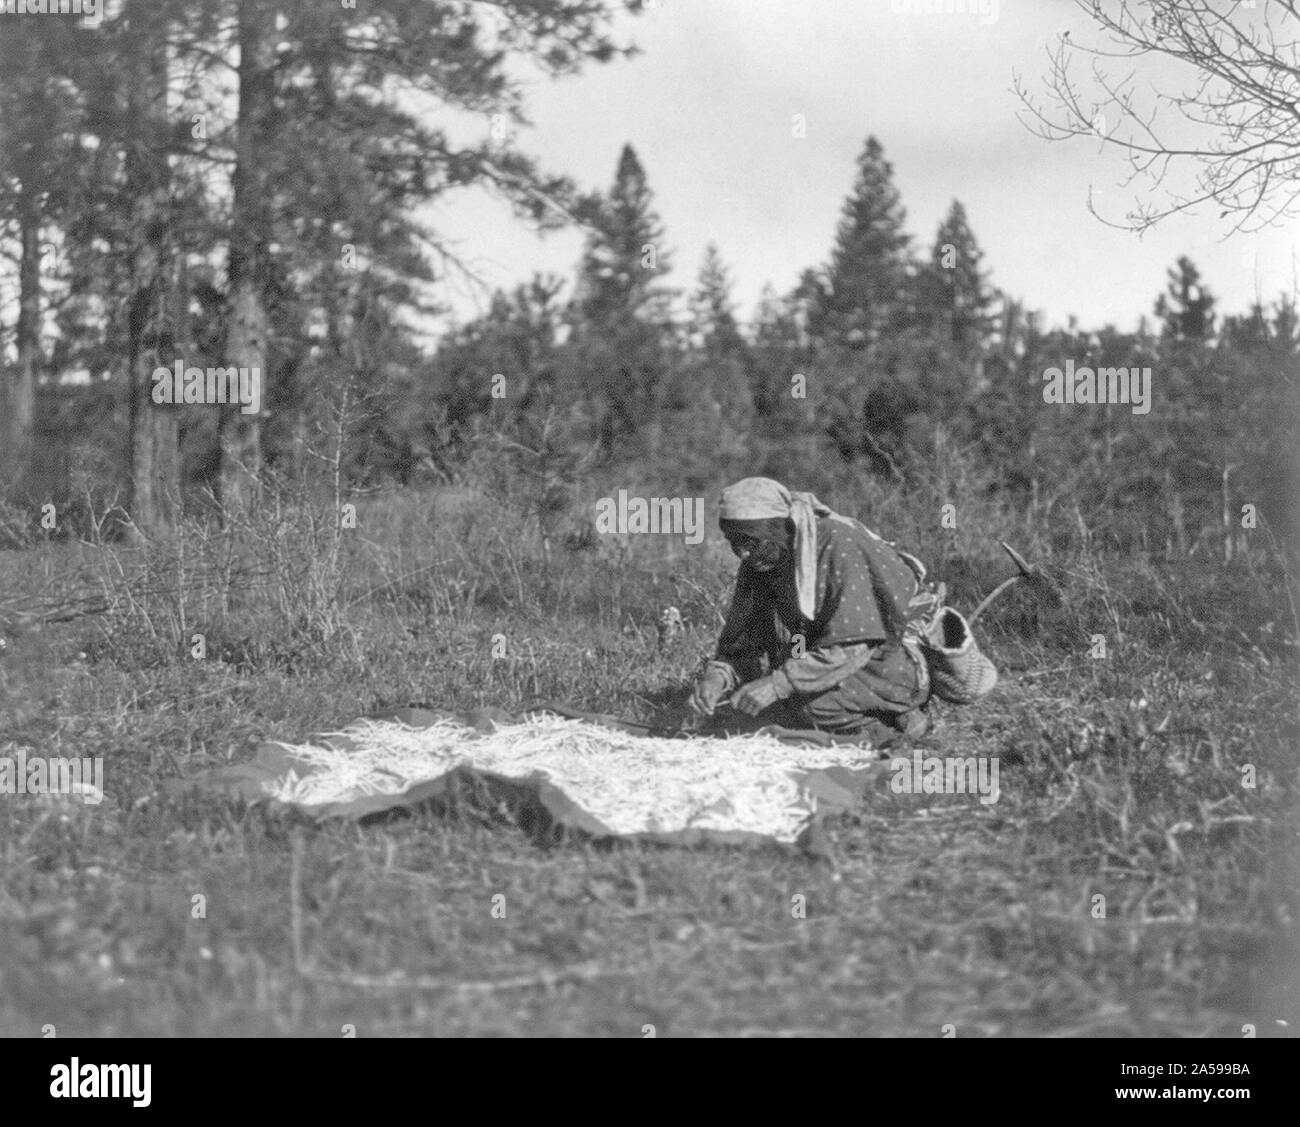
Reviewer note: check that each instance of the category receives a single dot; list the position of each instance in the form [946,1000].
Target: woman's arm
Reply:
[824,667]
[741,644]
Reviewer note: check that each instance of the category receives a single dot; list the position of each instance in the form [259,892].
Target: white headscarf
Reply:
[761,498]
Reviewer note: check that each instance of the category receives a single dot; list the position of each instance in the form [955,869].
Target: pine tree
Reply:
[863,291]
[709,397]
[621,322]
[1006,416]
[785,389]
[859,311]
[1186,309]
[713,316]
[776,356]
[718,364]
[625,254]
[956,298]
[1197,421]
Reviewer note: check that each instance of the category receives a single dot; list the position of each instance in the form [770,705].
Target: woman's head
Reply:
[755,520]
[768,523]
[760,544]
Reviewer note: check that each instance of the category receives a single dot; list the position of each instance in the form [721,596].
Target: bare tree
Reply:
[1235,115]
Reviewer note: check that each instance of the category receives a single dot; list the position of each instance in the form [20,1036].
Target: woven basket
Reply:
[959,673]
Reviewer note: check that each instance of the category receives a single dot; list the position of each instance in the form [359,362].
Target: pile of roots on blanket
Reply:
[629,783]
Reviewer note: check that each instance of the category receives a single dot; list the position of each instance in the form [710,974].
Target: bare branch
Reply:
[1241,113]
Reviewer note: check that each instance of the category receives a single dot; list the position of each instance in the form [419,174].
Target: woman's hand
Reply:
[751,699]
[708,690]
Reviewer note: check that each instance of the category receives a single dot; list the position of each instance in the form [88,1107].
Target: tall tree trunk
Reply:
[247,322]
[20,413]
[155,460]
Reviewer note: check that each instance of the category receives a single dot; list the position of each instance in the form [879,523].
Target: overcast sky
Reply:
[708,107]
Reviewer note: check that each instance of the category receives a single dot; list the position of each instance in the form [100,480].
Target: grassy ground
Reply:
[1121,777]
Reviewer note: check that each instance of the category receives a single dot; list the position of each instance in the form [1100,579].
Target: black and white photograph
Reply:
[726,519]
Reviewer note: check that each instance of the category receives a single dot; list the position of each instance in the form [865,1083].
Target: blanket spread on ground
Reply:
[562,769]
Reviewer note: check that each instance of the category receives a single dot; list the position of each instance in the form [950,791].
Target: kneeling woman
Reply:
[816,629]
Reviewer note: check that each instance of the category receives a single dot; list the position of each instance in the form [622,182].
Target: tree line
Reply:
[886,356]
[236,183]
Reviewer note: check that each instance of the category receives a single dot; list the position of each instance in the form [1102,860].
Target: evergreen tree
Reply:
[956,298]
[713,316]
[718,367]
[863,291]
[1186,309]
[1196,404]
[625,254]
[859,311]
[776,357]
[621,323]
[1251,420]
[709,406]
[1007,416]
